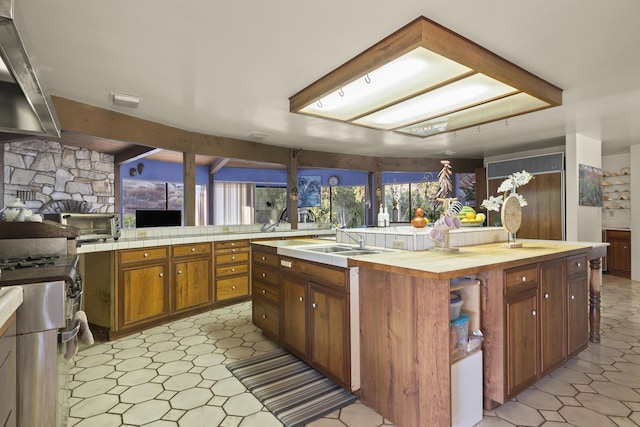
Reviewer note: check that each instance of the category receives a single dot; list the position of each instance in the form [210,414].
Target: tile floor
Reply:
[174,375]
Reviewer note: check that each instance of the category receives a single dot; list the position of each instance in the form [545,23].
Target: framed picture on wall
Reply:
[590,186]
[309,191]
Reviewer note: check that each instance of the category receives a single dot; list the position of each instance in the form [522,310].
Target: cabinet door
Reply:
[143,294]
[577,313]
[192,284]
[522,342]
[294,324]
[552,315]
[330,332]
[620,260]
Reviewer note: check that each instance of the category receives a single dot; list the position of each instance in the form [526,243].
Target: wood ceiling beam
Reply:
[217,165]
[133,153]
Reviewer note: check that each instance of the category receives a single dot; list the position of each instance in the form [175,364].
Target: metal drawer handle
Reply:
[145,254]
[233,269]
[264,258]
[579,264]
[233,257]
[314,305]
[161,274]
[193,249]
[233,250]
[301,299]
[179,271]
[233,244]
[546,296]
[264,316]
[573,297]
[264,291]
[233,288]
[523,279]
[533,313]
[264,274]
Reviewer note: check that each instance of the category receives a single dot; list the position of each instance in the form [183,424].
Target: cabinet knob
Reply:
[533,313]
[233,269]
[264,274]
[233,250]
[301,299]
[233,257]
[264,258]
[264,291]
[523,279]
[233,244]
[161,274]
[579,264]
[233,288]
[193,249]
[179,271]
[573,297]
[264,316]
[314,305]
[546,296]
[145,255]
[625,247]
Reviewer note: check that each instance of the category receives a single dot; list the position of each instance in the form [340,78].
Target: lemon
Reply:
[480,217]
[470,215]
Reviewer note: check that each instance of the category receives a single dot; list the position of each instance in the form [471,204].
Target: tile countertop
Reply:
[181,235]
[10,300]
[472,259]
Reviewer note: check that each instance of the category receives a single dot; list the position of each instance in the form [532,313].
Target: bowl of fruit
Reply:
[469,218]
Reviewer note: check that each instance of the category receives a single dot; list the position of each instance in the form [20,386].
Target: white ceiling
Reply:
[227,68]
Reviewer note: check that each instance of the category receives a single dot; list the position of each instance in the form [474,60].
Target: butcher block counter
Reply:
[531,304]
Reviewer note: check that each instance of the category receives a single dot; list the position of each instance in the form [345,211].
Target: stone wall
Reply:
[41,171]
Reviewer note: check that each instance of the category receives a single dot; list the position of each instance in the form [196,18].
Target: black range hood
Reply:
[24,107]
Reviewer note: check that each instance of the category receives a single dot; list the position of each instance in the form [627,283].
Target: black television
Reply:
[158,218]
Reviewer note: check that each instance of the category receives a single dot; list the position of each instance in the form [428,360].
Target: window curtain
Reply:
[233,203]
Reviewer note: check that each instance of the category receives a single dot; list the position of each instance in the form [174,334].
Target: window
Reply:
[140,194]
[406,198]
[270,203]
[341,206]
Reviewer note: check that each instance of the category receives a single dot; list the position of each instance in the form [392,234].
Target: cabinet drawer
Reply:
[266,316]
[232,244]
[618,235]
[194,249]
[265,290]
[265,258]
[521,278]
[231,288]
[266,274]
[577,265]
[231,258]
[148,254]
[230,270]
[334,277]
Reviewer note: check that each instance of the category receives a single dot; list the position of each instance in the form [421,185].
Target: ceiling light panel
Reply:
[422,80]
[461,94]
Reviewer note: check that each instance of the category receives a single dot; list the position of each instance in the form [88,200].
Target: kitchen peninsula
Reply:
[531,305]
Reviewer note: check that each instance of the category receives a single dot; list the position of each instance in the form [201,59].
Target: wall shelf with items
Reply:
[616,190]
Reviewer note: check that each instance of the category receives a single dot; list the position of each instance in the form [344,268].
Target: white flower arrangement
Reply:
[513,181]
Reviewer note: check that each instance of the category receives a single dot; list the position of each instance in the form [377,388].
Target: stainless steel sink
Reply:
[359,252]
[331,249]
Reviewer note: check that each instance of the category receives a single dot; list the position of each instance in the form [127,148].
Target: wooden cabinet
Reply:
[545,323]
[232,270]
[521,307]
[552,297]
[619,252]
[294,314]
[314,311]
[8,372]
[143,286]
[265,285]
[192,271]
[577,304]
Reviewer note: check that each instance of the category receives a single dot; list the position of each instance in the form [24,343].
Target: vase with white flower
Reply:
[510,204]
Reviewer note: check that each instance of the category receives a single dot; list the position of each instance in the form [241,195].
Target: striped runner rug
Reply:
[293,391]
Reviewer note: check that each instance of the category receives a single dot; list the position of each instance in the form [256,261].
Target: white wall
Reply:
[634,159]
[583,223]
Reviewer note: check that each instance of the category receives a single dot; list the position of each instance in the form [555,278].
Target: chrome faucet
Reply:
[269,226]
[359,240]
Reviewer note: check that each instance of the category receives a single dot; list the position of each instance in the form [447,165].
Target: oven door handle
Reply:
[66,336]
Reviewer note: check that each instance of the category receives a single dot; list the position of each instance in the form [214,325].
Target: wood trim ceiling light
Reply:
[424,80]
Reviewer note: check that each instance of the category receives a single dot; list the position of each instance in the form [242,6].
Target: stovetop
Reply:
[37,269]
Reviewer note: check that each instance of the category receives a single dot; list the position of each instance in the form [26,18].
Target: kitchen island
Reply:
[523,295]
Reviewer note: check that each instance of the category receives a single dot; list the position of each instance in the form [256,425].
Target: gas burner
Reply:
[27,262]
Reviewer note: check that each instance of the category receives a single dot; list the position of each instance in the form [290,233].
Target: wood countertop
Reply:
[440,265]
